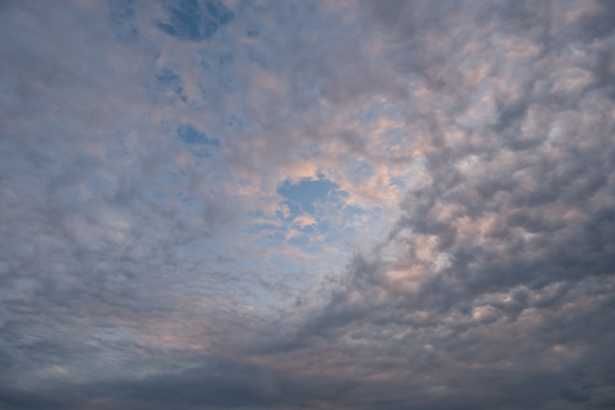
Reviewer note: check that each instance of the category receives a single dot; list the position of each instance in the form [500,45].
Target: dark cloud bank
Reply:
[493,288]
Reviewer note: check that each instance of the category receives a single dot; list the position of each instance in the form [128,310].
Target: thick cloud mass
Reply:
[398,204]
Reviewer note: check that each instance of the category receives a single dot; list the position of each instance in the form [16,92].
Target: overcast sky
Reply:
[298,204]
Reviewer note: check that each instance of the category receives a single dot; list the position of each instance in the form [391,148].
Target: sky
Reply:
[301,204]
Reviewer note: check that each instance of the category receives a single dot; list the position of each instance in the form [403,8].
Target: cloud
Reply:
[332,205]
[303,221]
[123,19]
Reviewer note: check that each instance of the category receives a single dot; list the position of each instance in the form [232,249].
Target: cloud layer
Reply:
[307,204]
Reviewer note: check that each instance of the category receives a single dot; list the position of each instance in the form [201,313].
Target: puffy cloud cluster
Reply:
[334,204]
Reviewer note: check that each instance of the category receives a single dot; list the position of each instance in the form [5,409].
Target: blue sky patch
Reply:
[302,196]
[170,82]
[195,20]
[190,135]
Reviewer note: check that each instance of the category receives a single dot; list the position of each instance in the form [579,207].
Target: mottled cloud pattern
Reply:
[336,204]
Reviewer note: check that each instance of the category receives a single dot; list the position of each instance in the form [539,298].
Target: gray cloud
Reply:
[151,260]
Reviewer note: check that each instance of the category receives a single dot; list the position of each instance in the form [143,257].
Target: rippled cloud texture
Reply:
[342,204]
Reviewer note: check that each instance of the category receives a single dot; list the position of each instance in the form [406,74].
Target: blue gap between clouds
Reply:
[195,20]
[170,80]
[190,135]
[301,196]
